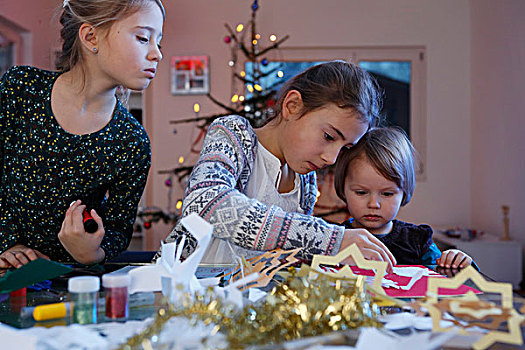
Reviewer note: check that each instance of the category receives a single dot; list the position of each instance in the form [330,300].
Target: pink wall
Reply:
[37,17]
[498,123]
[460,137]
[197,27]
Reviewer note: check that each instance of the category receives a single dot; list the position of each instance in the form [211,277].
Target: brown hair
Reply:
[341,83]
[99,13]
[389,151]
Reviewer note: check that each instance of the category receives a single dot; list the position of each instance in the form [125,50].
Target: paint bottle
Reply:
[116,290]
[18,299]
[83,292]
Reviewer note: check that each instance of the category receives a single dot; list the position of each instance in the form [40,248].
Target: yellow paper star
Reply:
[266,265]
[513,336]
[379,267]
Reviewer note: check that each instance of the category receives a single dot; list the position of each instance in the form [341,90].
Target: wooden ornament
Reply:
[266,265]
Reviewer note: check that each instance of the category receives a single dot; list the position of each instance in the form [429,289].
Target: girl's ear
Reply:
[88,36]
[292,105]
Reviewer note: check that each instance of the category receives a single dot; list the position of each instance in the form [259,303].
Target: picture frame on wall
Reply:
[189,75]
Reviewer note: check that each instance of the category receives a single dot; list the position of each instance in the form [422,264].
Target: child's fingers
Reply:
[442,258]
[96,217]
[73,206]
[99,222]
[29,253]
[77,222]
[11,259]
[446,258]
[23,257]
[4,264]
[466,262]
[41,255]
[456,261]
[380,249]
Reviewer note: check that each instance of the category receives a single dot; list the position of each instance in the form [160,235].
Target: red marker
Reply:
[90,225]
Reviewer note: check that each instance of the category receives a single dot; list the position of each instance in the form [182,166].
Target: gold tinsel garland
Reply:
[297,308]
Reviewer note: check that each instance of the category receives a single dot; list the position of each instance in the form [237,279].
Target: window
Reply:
[6,54]
[399,71]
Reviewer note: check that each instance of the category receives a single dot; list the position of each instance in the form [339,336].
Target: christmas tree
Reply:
[254,84]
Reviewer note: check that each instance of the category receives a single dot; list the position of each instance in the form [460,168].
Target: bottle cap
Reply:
[19,292]
[116,280]
[83,284]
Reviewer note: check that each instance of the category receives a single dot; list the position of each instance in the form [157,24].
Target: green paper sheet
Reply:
[33,272]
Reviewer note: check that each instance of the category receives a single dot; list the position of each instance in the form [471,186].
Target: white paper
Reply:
[415,273]
[145,279]
[372,338]
[169,271]
[13,338]
[255,294]
[404,320]
[409,271]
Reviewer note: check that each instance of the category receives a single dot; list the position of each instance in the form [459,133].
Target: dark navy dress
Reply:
[410,244]
[43,168]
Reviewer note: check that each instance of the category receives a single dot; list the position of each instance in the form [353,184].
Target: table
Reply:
[10,308]
[9,315]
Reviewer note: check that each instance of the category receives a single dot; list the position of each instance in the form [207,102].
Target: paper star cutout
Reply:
[379,267]
[513,336]
[278,259]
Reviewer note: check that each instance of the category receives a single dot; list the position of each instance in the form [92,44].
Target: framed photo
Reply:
[189,75]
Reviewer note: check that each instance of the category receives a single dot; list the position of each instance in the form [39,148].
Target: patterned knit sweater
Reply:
[215,191]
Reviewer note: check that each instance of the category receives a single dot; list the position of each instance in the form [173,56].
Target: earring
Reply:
[95,50]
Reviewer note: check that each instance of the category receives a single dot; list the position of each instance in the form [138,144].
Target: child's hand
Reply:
[454,258]
[371,247]
[19,255]
[84,247]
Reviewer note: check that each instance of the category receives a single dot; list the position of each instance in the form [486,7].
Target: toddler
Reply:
[375,178]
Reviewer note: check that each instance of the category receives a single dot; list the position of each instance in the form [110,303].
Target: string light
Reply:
[257,87]
[196,108]
[273,37]
[280,74]
[249,87]
[254,42]
[241,98]
[235,98]
[257,36]
[231,63]
[240,27]
[181,159]
[243,74]
[178,205]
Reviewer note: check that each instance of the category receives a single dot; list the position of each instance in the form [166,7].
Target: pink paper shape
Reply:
[418,290]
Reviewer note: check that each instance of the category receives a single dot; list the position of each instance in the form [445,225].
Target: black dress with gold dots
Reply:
[44,168]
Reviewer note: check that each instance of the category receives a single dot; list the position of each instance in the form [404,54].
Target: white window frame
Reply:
[415,54]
